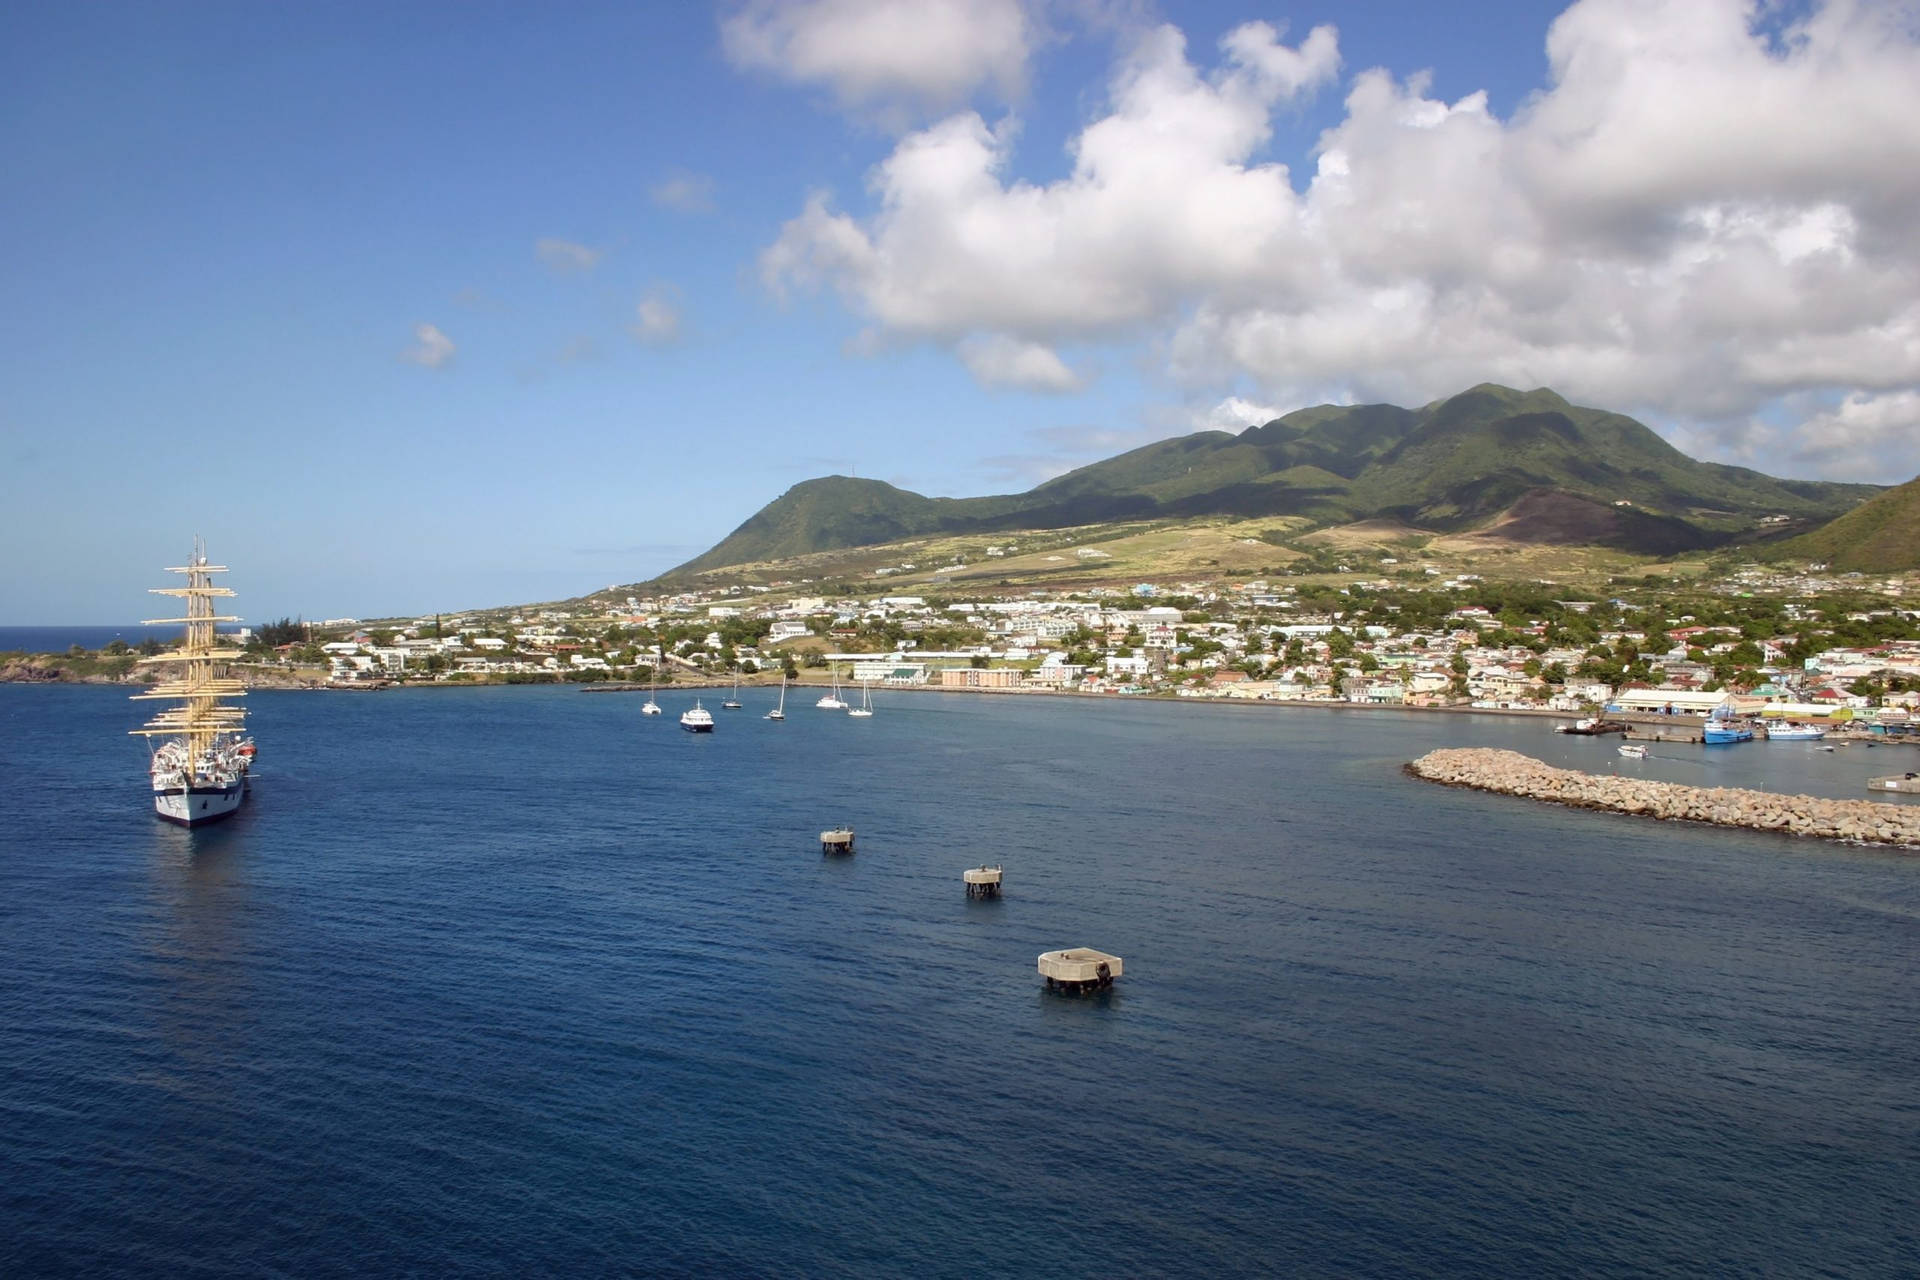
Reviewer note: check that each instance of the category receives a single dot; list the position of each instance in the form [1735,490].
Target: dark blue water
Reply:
[517,981]
[60,639]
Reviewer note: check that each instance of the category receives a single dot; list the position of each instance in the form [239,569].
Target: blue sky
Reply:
[429,307]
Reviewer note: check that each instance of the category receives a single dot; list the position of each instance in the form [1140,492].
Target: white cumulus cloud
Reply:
[889,56]
[1701,218]
[565,256]
[1236,414]
[997,360]
[684,192]
[431,348]
[656,319]
[1866,436]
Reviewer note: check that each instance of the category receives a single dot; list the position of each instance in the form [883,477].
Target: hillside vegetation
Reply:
[1882,535]
[1552,469]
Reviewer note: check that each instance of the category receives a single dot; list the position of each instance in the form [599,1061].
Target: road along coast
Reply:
[1510,773]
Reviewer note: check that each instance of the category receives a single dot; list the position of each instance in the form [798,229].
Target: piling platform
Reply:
[1078,969]
[837,840]
[982,881]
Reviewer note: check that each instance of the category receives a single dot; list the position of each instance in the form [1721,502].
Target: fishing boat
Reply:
[865,709]
[698,720]
[199,766]
[832,701]
[1720,730]
[780,712]
[1793,731]
[1633,750]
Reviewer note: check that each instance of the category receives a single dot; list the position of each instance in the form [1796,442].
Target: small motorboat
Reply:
[1633,750]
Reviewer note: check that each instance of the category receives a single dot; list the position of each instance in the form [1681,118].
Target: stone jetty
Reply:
[1511,773]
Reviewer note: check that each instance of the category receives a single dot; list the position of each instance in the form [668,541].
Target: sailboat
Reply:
[199,771]
[831,701]
[865,708]
[733,703]
[780,712]
[653,684]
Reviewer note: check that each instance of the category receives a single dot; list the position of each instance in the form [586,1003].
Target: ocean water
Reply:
[517,981]
[60,639]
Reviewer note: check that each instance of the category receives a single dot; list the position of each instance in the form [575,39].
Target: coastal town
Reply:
[1806,644]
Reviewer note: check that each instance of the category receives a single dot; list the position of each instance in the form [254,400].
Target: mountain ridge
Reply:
[1881,535]
[1453,465]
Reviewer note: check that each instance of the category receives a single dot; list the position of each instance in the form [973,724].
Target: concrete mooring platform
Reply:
[837,840]
[982,881]
[1078,969]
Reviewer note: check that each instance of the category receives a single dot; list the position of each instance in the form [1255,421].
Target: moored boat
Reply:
[652,708]
[832,701]
[199,771]
[698,720]
[1720,732]
[1792,731]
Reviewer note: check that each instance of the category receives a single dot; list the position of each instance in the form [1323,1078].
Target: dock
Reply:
[1695,732]
[837,840]
[1078,969]
[982,881]
[1899,783]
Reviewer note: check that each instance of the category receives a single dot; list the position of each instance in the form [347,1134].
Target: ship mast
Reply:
[196,683]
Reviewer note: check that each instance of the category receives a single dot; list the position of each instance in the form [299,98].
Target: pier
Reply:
[982,881]
[837,840]
[1695,732]
[1510,773]
[1078,969]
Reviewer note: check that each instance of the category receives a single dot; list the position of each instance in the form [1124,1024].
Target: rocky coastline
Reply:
[1510,773]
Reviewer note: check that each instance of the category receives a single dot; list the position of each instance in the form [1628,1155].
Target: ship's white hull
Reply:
[196,806]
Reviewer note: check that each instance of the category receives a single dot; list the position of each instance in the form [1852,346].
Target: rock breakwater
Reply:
[1511,773]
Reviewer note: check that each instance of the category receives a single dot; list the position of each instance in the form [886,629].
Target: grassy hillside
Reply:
[1882,535]
[1450,466]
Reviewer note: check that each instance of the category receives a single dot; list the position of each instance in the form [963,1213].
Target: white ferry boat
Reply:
[698,720]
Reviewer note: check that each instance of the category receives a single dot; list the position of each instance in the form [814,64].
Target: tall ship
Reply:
[200,758]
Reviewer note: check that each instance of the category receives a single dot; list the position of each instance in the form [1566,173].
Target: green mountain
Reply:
[1454,465]
[1881,535]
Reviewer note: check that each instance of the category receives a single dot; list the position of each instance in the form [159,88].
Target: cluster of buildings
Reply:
[1250,641]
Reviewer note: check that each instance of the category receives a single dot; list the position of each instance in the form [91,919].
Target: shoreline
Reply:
[253,678]
[266,679]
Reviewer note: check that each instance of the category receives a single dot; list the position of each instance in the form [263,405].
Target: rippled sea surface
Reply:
[518,981]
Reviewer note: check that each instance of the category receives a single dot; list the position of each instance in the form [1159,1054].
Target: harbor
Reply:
[647,967]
